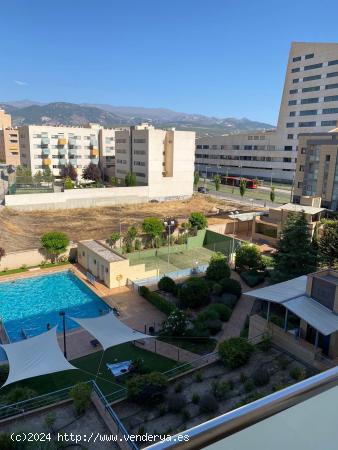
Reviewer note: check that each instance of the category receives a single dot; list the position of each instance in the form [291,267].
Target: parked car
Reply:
[202,190]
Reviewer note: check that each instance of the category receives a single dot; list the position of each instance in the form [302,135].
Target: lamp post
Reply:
[233,217]
[63,315]
[168,223]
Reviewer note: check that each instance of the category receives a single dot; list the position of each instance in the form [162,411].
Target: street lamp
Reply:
[233,218]
[63,315]
[168,223]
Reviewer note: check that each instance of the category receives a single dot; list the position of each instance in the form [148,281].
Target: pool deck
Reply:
[134,310]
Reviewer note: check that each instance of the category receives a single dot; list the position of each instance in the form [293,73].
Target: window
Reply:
[295,80]
[287,160]
[205,147]
[332,86]
[139,141]
[290,125]
[199,146]
[300,184]
[247,147]
[312,77]
[328,123]
[327,158]
[214,147]
[313,66]
[140,174]
[306,101]
[290,136]
[292,113]
[296,58]
[306,124]
[293,91]
[121,141]
[332,74]
[292,102]
[309,55]
[250,138]
[331,98]
[139,163]
[330,111]
[83,253]
[95,261]
[311,89]
[308,112]
[303,151]
[288,148]
[333,63]
[296,69]
[142,152]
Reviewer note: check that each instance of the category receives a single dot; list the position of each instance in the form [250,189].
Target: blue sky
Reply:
[215,57]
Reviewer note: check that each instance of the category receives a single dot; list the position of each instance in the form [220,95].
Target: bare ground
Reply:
[21,230]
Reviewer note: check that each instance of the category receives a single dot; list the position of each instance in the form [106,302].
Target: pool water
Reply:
[30,304]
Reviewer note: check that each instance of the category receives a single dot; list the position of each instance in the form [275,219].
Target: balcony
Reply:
[71,142]
[62,151]
[93,142]
[45,151]
[94,152]
[73,162]
[13,148]
[72,151]
[95,161]
[46,162]
[44,142]
[62,141]
[62,162]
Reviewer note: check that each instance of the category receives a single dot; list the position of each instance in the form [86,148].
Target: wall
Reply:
[218,242]
[32,257]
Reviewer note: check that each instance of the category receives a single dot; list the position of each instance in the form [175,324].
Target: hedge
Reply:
[252,277]
[157,300]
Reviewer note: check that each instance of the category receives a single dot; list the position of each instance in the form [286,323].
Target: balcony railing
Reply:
[94,152]
[46,162]
[62,141]
[72,151]
[94,161]
[62,151]
[45,151]
[44,142]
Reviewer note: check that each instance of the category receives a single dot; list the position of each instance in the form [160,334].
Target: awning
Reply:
[109,330]
[39,355]
[315,314]
[281,292]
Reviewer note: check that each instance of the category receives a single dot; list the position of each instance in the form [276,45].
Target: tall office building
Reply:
[309,104]
[9,141]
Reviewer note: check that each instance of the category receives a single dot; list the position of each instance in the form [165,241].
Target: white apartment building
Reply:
[309,104]
[56,147]
[161,159]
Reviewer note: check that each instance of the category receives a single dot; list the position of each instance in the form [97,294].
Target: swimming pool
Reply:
[29,304]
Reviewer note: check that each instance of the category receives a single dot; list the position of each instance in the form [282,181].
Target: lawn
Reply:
[88,366]
[200,346]
[178,259]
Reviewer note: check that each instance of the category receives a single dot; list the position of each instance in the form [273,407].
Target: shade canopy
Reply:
[39,355]
[281,292]
[109,330]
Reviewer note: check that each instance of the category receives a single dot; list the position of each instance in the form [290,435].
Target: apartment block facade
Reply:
[317,168]
[9,141]
[309,104]
[163,159]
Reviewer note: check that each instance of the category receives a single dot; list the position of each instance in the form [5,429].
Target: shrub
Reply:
[208,320]
[19,394]
[252,277]
[68,183]
[224,312]
[228,300]
[54,243]
[198,377]
[261,376]
[198,220]
[176,403]
[167,284]
[157,300]
[207,314]
[297,373]
[148,388]
[195,398]
[220,389]
[235,352]
[194,292]
[248,256]
[217,289]
[80,394]
[138,244]
[218,267]
[213,326]
[249,385]
[265,343]
[176,323]
[208,403]
[283,362]
[231,286]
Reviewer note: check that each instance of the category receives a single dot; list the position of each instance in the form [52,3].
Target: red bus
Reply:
[235,181]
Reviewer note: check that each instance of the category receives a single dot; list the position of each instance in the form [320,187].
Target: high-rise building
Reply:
[9,141]
[309,104]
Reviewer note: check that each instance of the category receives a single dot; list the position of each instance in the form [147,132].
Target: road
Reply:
[243,201]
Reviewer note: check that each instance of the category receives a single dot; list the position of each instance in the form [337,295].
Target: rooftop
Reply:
[298,208]
[100,249]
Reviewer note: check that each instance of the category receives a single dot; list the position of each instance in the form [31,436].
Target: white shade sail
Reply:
[39,355]
[109,330]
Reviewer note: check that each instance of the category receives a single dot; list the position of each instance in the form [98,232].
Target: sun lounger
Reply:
[119,368]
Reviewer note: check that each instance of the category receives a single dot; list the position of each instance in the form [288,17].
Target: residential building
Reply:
[267,228]
[108,266]
[9,141]
[317,168]
[309,104]
[161,159]
[56,146]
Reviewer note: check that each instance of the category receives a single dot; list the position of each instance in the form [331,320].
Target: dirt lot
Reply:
[22,230]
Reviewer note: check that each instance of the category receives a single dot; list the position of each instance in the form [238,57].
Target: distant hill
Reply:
[61,113]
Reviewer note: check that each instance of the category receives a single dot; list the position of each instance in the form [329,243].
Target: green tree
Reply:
[196,178]
[295,254]
[80,394]
[235,352]
[147,389]
[154,227]
[130,179]
[114,237]
[217,181]
[198,220]
[68,184]
[54,243]
[69,171]
[218,267]
[23,175]
[92,172]
[272,194]
[38,177]
[114,181]
[176,324]
[328,243]
[248,257]
[242,187]
[47,175]
[194,292]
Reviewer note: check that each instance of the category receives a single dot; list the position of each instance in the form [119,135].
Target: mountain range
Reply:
[25,112]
